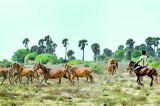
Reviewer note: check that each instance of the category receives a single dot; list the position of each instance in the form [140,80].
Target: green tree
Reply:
[19,55]
[119,54]
[107,52]
[82,44]
[143,47]
[34,48]
[96,50]
[120,47]
[130,47]
[25,42]
[65,43]
[149,41]
[136,53]
[70,54]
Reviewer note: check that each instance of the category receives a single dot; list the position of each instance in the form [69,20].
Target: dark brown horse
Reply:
[152,72]
[6,73]
[80,72]
[53,73]
[21,71]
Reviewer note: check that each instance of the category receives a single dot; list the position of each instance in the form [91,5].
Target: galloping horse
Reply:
[6,73]
[52,73]
[152,73]
[21,71]
[80,72]
[112,66]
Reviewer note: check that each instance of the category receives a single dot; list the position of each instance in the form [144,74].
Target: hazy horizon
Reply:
[106,22]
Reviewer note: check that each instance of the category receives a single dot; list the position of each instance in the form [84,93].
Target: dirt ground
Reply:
[120,89]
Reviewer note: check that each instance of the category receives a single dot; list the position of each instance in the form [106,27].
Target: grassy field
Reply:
[118,90]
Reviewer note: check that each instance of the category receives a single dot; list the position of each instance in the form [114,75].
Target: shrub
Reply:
[155,64]
[30,57]
[5,63]
[97,68]
[45,58]
[75,62]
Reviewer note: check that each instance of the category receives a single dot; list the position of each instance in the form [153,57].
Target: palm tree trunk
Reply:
[65,52]
[83,55]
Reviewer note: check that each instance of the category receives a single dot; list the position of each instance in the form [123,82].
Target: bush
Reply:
[30,57]
[155,64]
[45,58]
[75,62]
[96,67]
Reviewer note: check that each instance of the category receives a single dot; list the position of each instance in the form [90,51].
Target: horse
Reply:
[152,73]
[80,72]
[6,73]
[112,66]
[21,71]
[130,67]
[52,73]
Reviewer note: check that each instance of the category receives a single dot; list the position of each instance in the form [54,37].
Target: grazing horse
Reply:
[112,66]
[80,72]
[52,73]
[21,71]
[6,73]
[152,73]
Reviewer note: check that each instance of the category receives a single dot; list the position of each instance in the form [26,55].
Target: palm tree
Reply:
[96,50]
[65,43]
[25,42]
[149,41]
[42,47]
[130,47]
[82,44]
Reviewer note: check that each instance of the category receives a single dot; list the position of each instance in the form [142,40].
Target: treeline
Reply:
[44,51]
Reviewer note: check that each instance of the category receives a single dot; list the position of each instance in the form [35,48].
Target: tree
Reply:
[82,44]
[107,52]
[19,55]
[34,48]
[136,53]
[65,43]
[42,47]
[54,45]
[149,41]
[119,54]
[142,47]
[96,50]
[120,47]
[70,54]
[25,42]
[130,47]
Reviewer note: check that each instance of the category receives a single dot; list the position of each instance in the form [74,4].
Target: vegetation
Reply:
[45,58]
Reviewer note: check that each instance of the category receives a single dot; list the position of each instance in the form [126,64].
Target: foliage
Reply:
[30,57]
[70,54]
[96,67]
[155,64]
[19,55]
[119,54]
[61,60]
[82,44]
[5,63]
[96,50]
[136,53]
[74,62]
[45,58]
[107,52]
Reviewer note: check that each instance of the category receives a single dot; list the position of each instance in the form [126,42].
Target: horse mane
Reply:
[111,61]
[45,69]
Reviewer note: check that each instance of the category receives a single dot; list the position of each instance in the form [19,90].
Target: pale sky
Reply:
[107,22]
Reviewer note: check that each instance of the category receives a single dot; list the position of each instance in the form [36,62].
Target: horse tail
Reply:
[155,72]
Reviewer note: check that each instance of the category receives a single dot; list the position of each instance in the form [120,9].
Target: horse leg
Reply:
[78,79]
[59,80]
[151,81]
[4,78]
[139,81]
[33,75]
[91,78]
[87,79]
[69,78]
[27,79]
[46,81]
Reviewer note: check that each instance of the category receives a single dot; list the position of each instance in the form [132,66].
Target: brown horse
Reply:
[112,65]
[152,73]
[53,73]
[6,73]
[80,72]
[21,71]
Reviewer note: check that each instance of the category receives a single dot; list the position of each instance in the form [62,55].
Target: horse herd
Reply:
[16,72]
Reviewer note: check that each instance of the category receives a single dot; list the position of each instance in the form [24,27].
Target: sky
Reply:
[109,23]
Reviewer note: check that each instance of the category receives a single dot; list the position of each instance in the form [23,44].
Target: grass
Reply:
[118,90]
